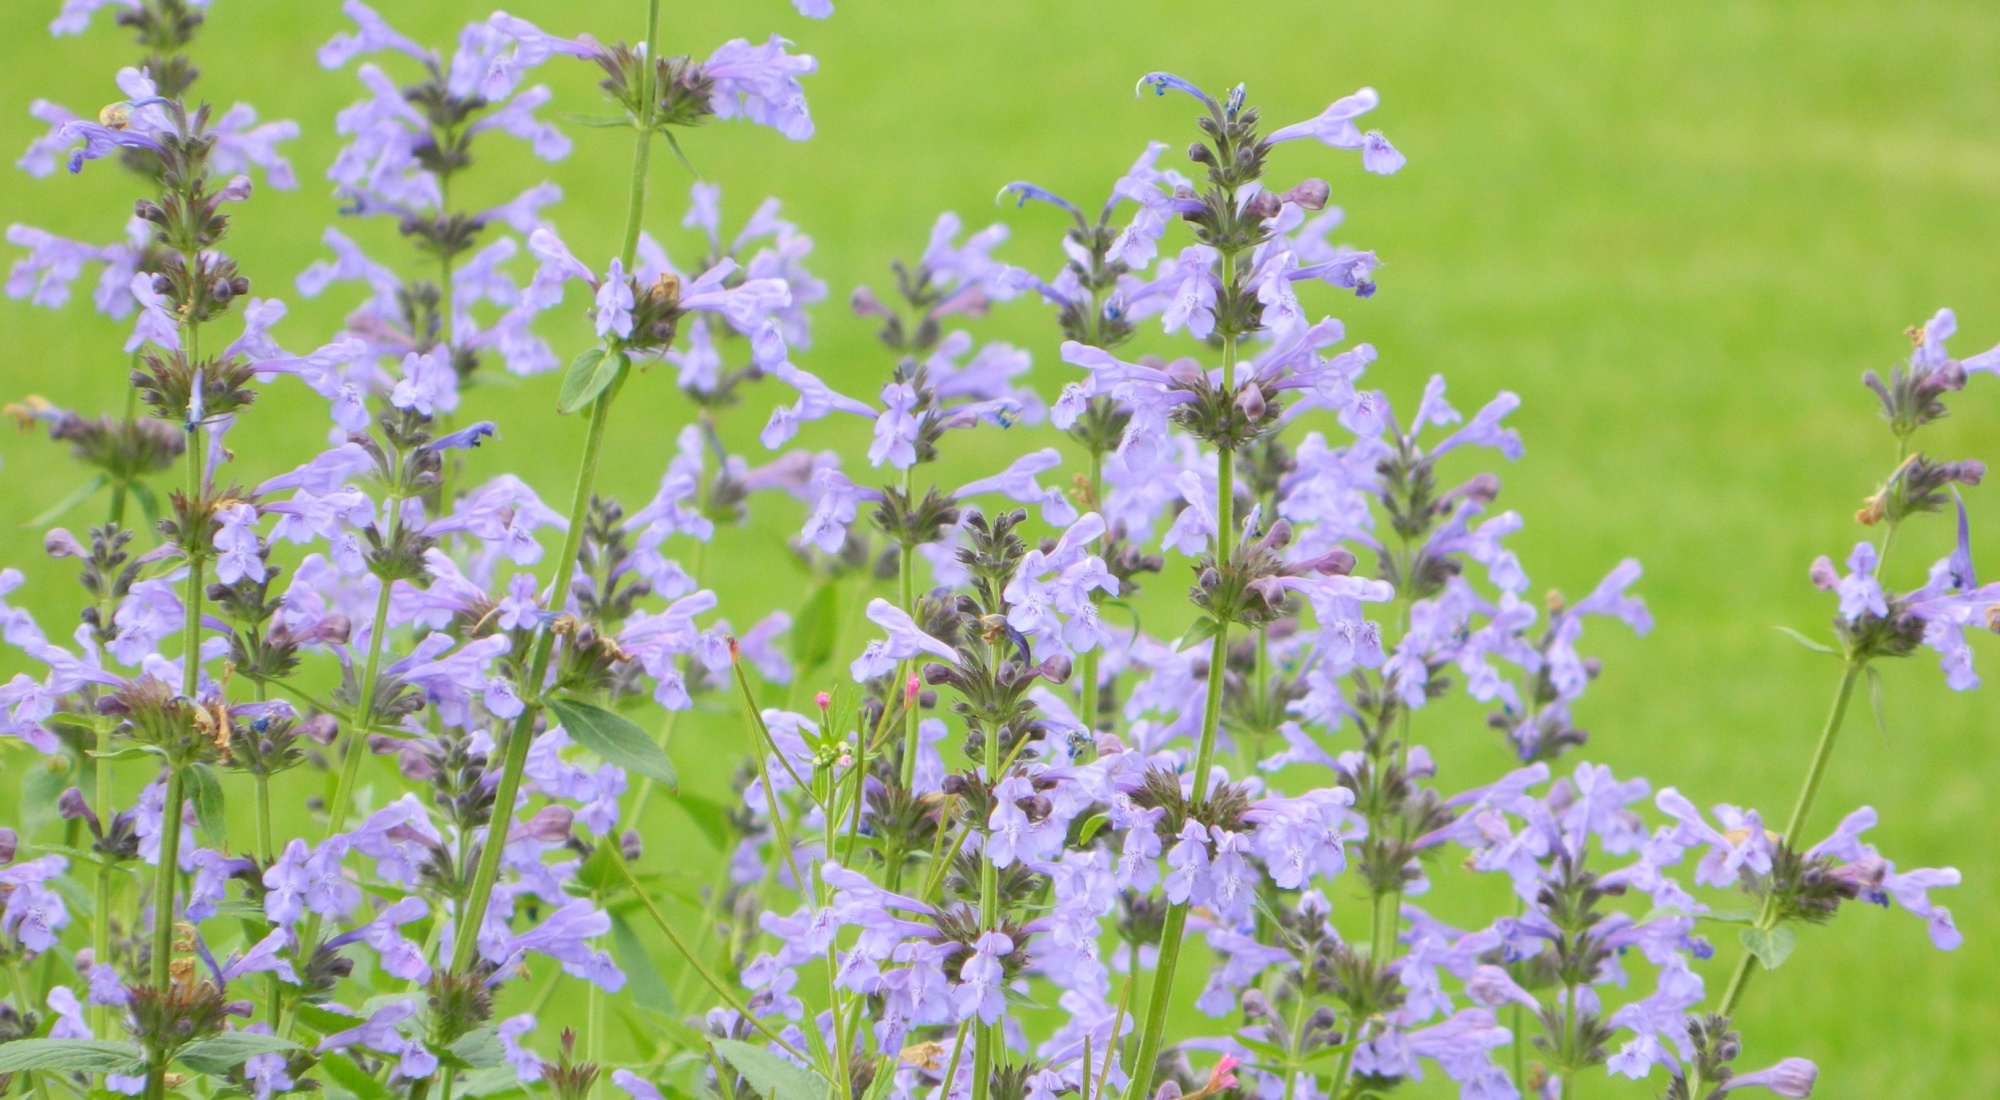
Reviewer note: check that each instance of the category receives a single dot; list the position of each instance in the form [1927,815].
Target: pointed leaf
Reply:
[70,1056]
[773,1077]
[480,1049]
[206,794]
[1878,699]
[223,1053]
[814,628]
[585,379]
[1203,629]
[711,817]
[642,978]
[1771,947]
[1816,647]
[354,1079]
[82,493]
[149,504]
[615,738]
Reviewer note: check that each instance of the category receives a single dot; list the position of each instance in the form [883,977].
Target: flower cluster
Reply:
[976,787]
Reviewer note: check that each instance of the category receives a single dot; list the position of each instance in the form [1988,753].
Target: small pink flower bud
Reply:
[822,700]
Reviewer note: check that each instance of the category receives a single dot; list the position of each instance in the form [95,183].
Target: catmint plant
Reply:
[986,817]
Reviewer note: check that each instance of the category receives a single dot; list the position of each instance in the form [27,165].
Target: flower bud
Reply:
[1200,154]
[550,825]
[320,729]
[1491,986]
[630,846]
[1824,576]
[1263,206]
[1250,400]
[59,543]
[822,700]
[1056,669]
[71,805]
[10,842]
[911,687]
[1310,194]
[1792,1078]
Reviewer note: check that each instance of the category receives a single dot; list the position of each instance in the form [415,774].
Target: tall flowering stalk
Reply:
[973,786]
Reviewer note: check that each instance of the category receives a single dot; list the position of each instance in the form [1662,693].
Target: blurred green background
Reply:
[1680,232]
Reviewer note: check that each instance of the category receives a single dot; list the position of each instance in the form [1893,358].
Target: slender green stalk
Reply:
[266,850]
[100,928]
[989,916]
[1175,928]
[1088,672]
[1815,772]
[721,988]
[906,561]
[166,874]
[357,737]
[488,870]
[518,739]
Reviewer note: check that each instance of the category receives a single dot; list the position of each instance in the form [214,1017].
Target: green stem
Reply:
[1088,672]
[100,929]
[1175,928]
[989,918]
[163,912]
[907,569]
[518,739]
[1815,772]
[357,735]
[266,851]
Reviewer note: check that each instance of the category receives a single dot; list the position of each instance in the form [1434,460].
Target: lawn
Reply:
[1679,232]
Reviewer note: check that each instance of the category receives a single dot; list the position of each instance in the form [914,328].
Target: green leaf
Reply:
[642,978]
[1203,629]
[1728,916]
[814,628]
[351,1077]
[206,794]
[1878,700]
[595,120]
[1816,647]
[588,375]
[225,1052]
[42,782]
[70,1056]
[1772,948]
[770,1075]
[129,752]
[1091,826]
[82,494]
[488,1082]
[149,505]
[711,817]
[479,1049]
[614,738]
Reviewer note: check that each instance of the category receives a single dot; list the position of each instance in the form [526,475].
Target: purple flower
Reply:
[1747,846]
[561,937]
[237,545]
[904,642]
[761,83]
[70,1022]
[429,384]
[527,1066]
[1017,483]
[980,993]
[371,34]
[32,912]
[1793,1078]
[381,1033]
[1335,125]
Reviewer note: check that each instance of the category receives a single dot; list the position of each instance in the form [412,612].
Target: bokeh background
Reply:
[1679,232]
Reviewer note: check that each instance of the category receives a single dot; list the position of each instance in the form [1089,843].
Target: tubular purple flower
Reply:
[1161,83]
[1792,1078]
[905,641]
[1335,125]
[761,83]
[372,34]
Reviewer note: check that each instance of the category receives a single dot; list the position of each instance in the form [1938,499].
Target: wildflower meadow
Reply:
[813,552]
